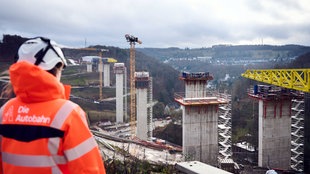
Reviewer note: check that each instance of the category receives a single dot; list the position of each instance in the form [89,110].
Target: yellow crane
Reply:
[100,65]
[132,41]
[297,79]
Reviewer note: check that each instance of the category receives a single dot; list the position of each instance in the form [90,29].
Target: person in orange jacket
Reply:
[41,130]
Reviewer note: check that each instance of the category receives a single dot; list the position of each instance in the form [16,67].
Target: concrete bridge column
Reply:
[274,132]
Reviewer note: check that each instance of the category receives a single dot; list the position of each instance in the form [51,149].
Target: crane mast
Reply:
[132,41]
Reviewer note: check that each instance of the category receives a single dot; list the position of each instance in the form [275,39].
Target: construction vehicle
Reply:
[132,41]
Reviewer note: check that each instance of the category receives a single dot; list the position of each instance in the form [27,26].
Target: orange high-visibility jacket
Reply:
[43,132]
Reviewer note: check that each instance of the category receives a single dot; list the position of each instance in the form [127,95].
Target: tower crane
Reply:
[100,65]
[297,79]
[132,41]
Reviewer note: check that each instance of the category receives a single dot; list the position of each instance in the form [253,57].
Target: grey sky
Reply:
[159,23]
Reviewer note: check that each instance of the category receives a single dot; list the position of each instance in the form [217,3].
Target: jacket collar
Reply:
[33,84]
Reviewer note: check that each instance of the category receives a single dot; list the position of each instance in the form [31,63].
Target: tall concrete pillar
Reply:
[200,119]
[142,84]
[119,70]
[200,133]
[89,67]
[274,132]
[106,74]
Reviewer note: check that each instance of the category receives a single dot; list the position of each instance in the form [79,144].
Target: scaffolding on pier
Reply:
[224,130]
[297,135]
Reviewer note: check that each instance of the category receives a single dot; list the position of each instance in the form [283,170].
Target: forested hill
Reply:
[302,61]
[229,51]
[9,46]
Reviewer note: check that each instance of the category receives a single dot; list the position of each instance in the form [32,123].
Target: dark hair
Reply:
[7,91]
[55,69]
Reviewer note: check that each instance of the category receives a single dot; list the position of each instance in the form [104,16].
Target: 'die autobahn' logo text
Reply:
[23,117]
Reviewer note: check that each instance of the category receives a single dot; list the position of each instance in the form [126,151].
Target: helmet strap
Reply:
[40,55]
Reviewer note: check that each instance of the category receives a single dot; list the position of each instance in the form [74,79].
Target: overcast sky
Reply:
[159,23]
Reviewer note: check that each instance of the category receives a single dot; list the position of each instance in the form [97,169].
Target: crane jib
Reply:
[297,79]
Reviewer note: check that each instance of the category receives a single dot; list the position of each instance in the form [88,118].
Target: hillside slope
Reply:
[229,51]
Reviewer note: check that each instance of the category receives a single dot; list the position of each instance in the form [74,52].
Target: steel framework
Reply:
[224,130]
[298,79]
[297,135]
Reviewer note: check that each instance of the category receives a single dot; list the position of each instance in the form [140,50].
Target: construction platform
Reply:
[215,99]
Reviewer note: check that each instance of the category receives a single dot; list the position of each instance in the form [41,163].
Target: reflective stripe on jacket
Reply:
[48,135]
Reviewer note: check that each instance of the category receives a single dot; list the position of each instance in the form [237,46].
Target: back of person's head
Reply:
[42,52]
[39,51]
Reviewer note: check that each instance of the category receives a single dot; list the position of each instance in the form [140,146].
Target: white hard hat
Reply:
[271,172]
[42,52]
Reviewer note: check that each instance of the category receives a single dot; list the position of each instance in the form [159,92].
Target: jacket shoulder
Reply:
[76,110]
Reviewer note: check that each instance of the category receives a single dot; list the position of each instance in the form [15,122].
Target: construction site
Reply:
[206,118]
[282,96]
